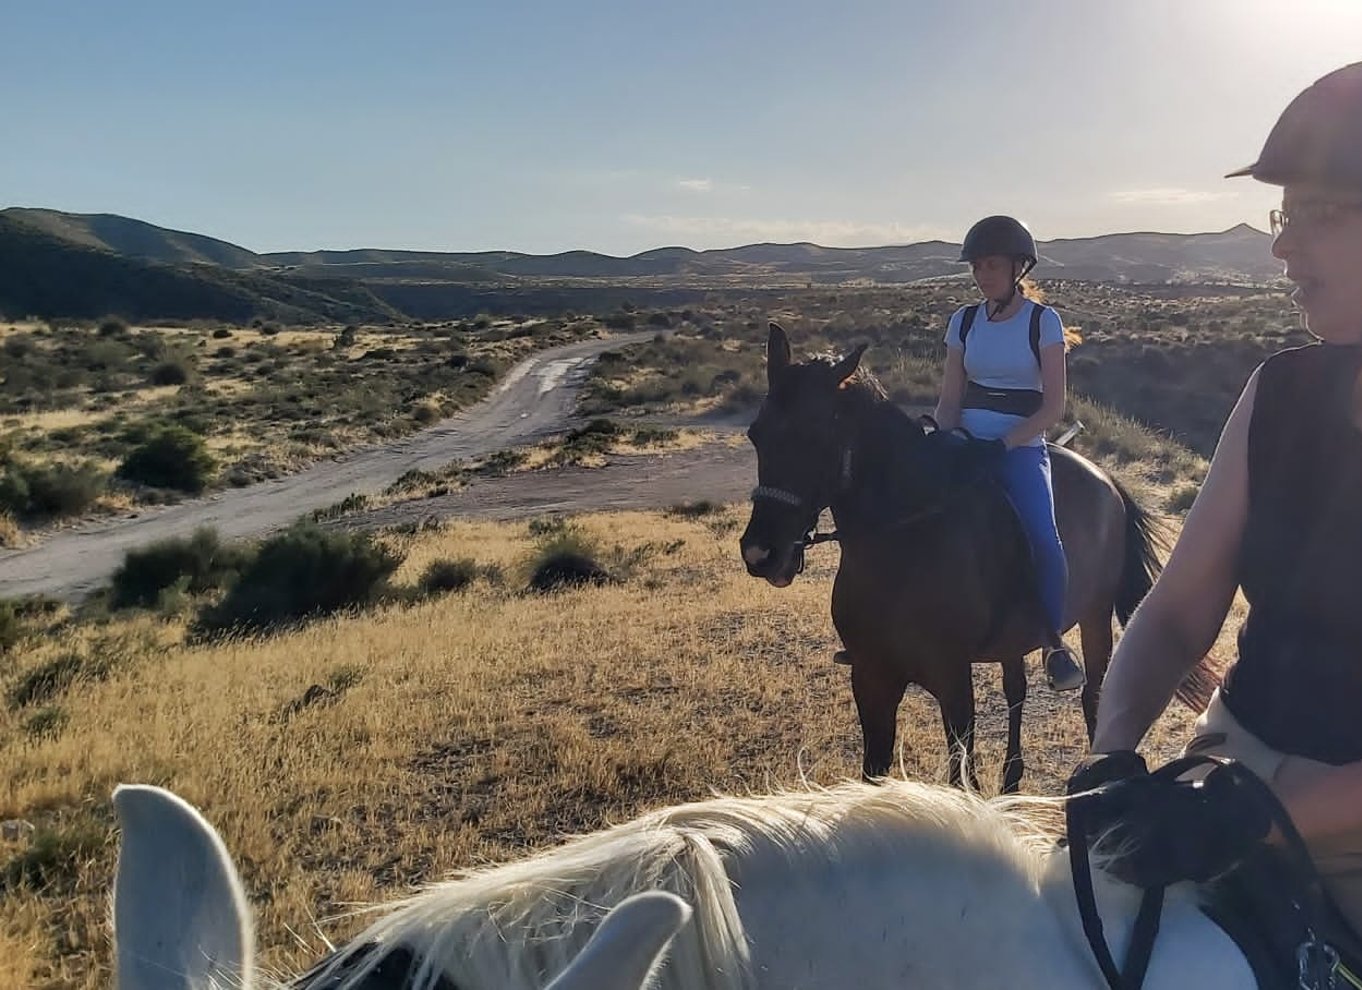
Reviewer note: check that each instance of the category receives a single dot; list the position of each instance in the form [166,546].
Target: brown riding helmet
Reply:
[1318,137]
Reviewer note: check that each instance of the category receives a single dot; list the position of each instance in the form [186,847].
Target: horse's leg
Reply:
[1095,632]
[878,691]
[1014,689]
[957,716]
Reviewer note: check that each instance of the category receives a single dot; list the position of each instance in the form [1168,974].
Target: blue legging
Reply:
[1025,474]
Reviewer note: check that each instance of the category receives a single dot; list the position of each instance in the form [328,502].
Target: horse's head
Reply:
[181,920]
[802,448]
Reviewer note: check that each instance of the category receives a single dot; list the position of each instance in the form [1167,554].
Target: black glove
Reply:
[1162,832]
[1104,768]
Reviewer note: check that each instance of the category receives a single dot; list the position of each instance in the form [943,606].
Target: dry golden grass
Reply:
[471,728]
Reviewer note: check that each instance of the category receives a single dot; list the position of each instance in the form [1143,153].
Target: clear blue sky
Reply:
[544,126]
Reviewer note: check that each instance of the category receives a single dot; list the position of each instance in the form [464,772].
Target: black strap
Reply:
[1141,947]
[1037,311]
[971,313]
[966,321]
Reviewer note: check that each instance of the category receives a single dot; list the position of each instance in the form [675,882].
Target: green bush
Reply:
[565,557]
[173,372]
[302,573]
[173,457]
[202,561]
[113,326]
[449,575]
[49,490]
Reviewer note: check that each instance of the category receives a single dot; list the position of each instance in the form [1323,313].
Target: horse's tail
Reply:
[1145,536]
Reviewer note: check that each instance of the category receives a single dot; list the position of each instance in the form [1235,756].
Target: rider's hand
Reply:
[1104,768]
[1164,833]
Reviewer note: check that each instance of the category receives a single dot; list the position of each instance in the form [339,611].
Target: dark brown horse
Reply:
[936,572]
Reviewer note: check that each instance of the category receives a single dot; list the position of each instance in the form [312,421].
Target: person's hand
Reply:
[1154,833]
[1104,768]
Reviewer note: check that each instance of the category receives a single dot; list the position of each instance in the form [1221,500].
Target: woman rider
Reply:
[1280,517]
[1004,383]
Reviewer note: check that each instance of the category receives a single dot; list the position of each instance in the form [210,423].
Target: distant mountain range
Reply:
[86,265]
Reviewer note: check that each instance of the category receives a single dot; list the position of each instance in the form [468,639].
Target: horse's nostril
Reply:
[754,555]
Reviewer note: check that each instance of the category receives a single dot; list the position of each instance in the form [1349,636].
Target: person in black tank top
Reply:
[1280,517]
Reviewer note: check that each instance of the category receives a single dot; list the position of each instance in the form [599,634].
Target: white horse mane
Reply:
[502,926]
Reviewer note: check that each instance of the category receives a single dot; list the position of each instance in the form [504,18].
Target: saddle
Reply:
[1253,905]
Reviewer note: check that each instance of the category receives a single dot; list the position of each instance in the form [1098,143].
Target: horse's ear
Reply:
[777,353]
[628,945]
[846,367]
[180,915]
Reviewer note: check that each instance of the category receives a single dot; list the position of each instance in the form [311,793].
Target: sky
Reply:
[552,125]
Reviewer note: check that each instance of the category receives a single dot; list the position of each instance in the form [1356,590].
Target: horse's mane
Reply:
[512,926]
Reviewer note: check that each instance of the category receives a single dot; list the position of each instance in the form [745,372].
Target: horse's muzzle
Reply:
[778,567]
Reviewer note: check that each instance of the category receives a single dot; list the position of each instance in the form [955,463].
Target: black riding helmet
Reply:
[1006,236]
[1318,137]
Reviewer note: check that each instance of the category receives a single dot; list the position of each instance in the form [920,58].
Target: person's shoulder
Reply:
[1047,312]
[1292,362]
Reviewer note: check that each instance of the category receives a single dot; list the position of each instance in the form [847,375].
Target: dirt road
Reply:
[717,472]
[536,398]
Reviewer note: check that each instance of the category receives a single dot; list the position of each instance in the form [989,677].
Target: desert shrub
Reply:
[202,562]
[172,457]
[449,575]
[173,372]
[31,490]
[565,557]
[113,326]
[302,573]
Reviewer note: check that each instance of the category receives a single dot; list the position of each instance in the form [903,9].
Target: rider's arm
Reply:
[947,413]
[1179,620]
[1054,385]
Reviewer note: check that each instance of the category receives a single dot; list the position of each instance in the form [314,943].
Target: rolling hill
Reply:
[85,265]
[44,274]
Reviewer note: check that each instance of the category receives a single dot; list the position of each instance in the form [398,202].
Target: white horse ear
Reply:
[628,945]
[181,921]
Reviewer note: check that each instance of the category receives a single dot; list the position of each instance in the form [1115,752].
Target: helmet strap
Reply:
[1001,304]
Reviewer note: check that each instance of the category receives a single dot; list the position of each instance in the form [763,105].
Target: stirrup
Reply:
[1070,676]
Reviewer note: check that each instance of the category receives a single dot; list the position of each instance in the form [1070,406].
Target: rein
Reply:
[1316,960]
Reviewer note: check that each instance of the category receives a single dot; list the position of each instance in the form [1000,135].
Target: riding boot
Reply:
[1062,672]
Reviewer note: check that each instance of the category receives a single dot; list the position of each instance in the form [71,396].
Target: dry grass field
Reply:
[443,733]
[348,759]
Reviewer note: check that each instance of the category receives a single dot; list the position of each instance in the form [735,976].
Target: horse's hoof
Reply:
[842,657]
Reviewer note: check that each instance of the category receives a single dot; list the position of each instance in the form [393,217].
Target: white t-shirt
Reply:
[999,355]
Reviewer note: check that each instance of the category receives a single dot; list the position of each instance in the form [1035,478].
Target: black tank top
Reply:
[1297,682]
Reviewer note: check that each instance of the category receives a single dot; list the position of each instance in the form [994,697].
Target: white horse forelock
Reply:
[505,926]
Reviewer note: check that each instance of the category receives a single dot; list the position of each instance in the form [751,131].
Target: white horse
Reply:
[905,885]
[181,922]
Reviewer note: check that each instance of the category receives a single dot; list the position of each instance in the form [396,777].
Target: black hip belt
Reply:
[1012,401]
